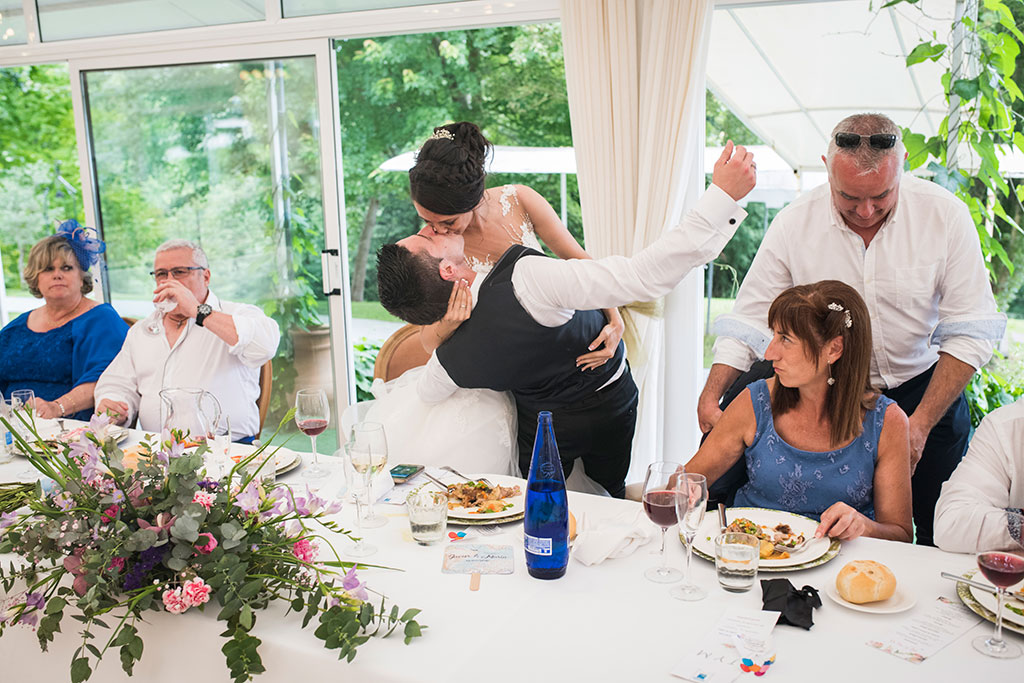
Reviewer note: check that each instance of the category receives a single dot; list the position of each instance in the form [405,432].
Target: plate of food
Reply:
[869,586]
[55,439]
[1013,607]
[476,502]
[771,527]
[285,459]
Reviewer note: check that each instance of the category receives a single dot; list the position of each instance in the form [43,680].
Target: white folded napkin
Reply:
[600,538]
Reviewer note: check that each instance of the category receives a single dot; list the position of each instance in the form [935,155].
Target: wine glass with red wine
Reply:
[660,493]
[312,414]
[1003,567]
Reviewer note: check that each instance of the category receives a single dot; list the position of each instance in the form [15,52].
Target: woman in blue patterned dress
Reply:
[60,349]
[817,438]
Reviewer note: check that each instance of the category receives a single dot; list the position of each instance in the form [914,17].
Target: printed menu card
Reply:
[923,635]
[739,642]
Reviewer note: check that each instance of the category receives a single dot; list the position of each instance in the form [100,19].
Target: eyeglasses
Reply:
[176,273]
[878,140]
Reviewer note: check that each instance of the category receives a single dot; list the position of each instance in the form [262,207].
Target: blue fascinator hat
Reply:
[85,242]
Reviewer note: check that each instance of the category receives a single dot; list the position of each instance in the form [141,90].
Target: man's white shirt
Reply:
[922,277]
[552,290]
[199,358]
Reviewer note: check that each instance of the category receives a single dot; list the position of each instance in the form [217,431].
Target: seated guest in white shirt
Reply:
[990,478]
[910,249]
[205,342]
[531,315]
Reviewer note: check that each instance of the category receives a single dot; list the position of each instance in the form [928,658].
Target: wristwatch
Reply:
[202,311]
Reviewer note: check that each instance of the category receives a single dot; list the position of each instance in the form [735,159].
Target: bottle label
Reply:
[538,546]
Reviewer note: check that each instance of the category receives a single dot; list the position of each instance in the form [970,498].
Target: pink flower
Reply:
[204,498]
[195,592]
[110,514]
[116,563]
[174,602]
[80,585]
[305,550]
[207,547]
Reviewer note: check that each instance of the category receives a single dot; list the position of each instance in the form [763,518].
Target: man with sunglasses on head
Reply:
[910,248]
[202,342]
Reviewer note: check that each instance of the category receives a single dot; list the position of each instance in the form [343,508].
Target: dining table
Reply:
[603,622]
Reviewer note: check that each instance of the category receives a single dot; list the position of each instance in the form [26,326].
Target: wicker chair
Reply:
[266,385]
[400,352]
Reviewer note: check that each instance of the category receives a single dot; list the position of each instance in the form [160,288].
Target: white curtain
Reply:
[635,76]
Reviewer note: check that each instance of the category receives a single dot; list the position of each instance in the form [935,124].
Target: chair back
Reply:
[266,385]
[400,352]
[128,319]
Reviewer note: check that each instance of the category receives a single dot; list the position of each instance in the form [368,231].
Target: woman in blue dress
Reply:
[817,438]
[60,349]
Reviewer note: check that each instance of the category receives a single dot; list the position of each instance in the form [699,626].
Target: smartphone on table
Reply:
[403,473]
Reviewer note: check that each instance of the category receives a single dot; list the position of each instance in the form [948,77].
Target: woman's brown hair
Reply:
[816,314]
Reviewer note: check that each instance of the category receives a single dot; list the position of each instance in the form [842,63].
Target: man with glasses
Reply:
[198,341]
[910,249]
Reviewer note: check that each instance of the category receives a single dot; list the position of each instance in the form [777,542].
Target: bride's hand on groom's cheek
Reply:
[460,304]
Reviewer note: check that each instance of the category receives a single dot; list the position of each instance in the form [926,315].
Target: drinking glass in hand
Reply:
[1003,568]
[312,414]
[162,307]
[368,452]
[691,502]
[660,505]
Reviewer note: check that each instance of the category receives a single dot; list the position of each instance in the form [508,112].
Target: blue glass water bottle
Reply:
[546,523]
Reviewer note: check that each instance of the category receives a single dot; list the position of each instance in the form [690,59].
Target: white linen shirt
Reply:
[199,358]
[552,290]
[990,478]
[922,277]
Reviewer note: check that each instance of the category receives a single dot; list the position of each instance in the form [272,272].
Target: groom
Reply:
[532,314]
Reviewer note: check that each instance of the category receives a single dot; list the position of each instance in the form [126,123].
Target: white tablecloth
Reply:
[599,623]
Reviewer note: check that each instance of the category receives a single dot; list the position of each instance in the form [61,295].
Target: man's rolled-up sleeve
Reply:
[120,381]
[258,336]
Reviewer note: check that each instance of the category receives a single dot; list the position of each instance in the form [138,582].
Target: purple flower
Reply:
[98,422]
[118,496]
[148,559]
[63,501]
[249,499]
[36,600]
[209,485]
[353,586]
[7,519]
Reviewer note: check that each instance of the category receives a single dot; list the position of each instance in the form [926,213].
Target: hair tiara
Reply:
[838,307]
[442,134]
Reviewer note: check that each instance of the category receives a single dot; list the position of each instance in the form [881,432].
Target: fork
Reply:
[791,550]
[460,474]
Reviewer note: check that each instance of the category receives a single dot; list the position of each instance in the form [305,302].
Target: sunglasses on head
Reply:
[878,140]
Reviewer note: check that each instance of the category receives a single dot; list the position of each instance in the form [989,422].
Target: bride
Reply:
[475,428]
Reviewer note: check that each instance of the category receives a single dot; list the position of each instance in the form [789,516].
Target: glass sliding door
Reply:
[227,154]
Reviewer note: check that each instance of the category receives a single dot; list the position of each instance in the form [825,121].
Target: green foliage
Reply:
[989,390]
[366,354]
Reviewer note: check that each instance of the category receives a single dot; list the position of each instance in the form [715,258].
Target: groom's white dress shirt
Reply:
[199,358]
[552,290]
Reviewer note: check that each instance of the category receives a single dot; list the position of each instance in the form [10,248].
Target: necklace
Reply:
[58,320]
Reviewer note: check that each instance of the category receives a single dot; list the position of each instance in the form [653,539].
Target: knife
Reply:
[969,582]
[721,517]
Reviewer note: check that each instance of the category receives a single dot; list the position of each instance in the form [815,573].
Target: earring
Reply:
[831,380]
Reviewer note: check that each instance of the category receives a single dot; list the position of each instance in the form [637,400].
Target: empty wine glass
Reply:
[22,402]
[660,505]
[1003,567]
[368,453]
[312,413]
[162,308]
[691,503]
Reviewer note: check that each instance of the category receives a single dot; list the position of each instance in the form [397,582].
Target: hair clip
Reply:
[838,307]
[442,133]
[835,306]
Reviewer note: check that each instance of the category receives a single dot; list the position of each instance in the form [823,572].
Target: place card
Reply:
[718,659]
[478,559]
[925,634]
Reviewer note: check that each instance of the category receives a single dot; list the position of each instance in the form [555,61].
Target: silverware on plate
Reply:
[970,582]
[460,474]
[721,517]
[444,487]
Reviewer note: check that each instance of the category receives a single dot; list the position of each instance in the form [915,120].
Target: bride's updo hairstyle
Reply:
[448,177]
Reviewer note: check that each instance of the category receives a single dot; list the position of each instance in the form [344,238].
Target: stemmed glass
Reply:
[660,505]
[691,503]
[361,548]
[1003,568]
[163,307]
[312,413]
[23,400]
[368,453]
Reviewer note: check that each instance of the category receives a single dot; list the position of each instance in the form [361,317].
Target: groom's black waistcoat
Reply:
[501,347]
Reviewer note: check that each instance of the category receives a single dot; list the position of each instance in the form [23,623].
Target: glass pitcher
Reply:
[189,409]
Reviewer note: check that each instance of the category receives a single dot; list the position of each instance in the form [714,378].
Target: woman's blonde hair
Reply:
[815,314]
[43,254]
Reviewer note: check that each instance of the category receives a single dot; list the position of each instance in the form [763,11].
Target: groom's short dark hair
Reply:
[410,285]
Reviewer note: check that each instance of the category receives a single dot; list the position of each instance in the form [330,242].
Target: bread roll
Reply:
[572,526]
[863,581]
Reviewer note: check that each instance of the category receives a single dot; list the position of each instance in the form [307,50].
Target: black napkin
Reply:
[779,595]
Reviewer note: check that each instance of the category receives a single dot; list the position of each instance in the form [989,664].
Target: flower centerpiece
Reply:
[110,535]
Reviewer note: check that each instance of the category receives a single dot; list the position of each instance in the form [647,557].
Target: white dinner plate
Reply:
[49,430]
[1012,608]
[817,551]
[285,459]
[901,601]
[518,502]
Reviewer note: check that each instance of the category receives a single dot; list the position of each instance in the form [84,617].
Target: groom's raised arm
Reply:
[551,290]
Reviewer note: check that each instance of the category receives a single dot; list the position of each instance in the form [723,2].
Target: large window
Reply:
[302,8]
[226,154]
[64,19]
